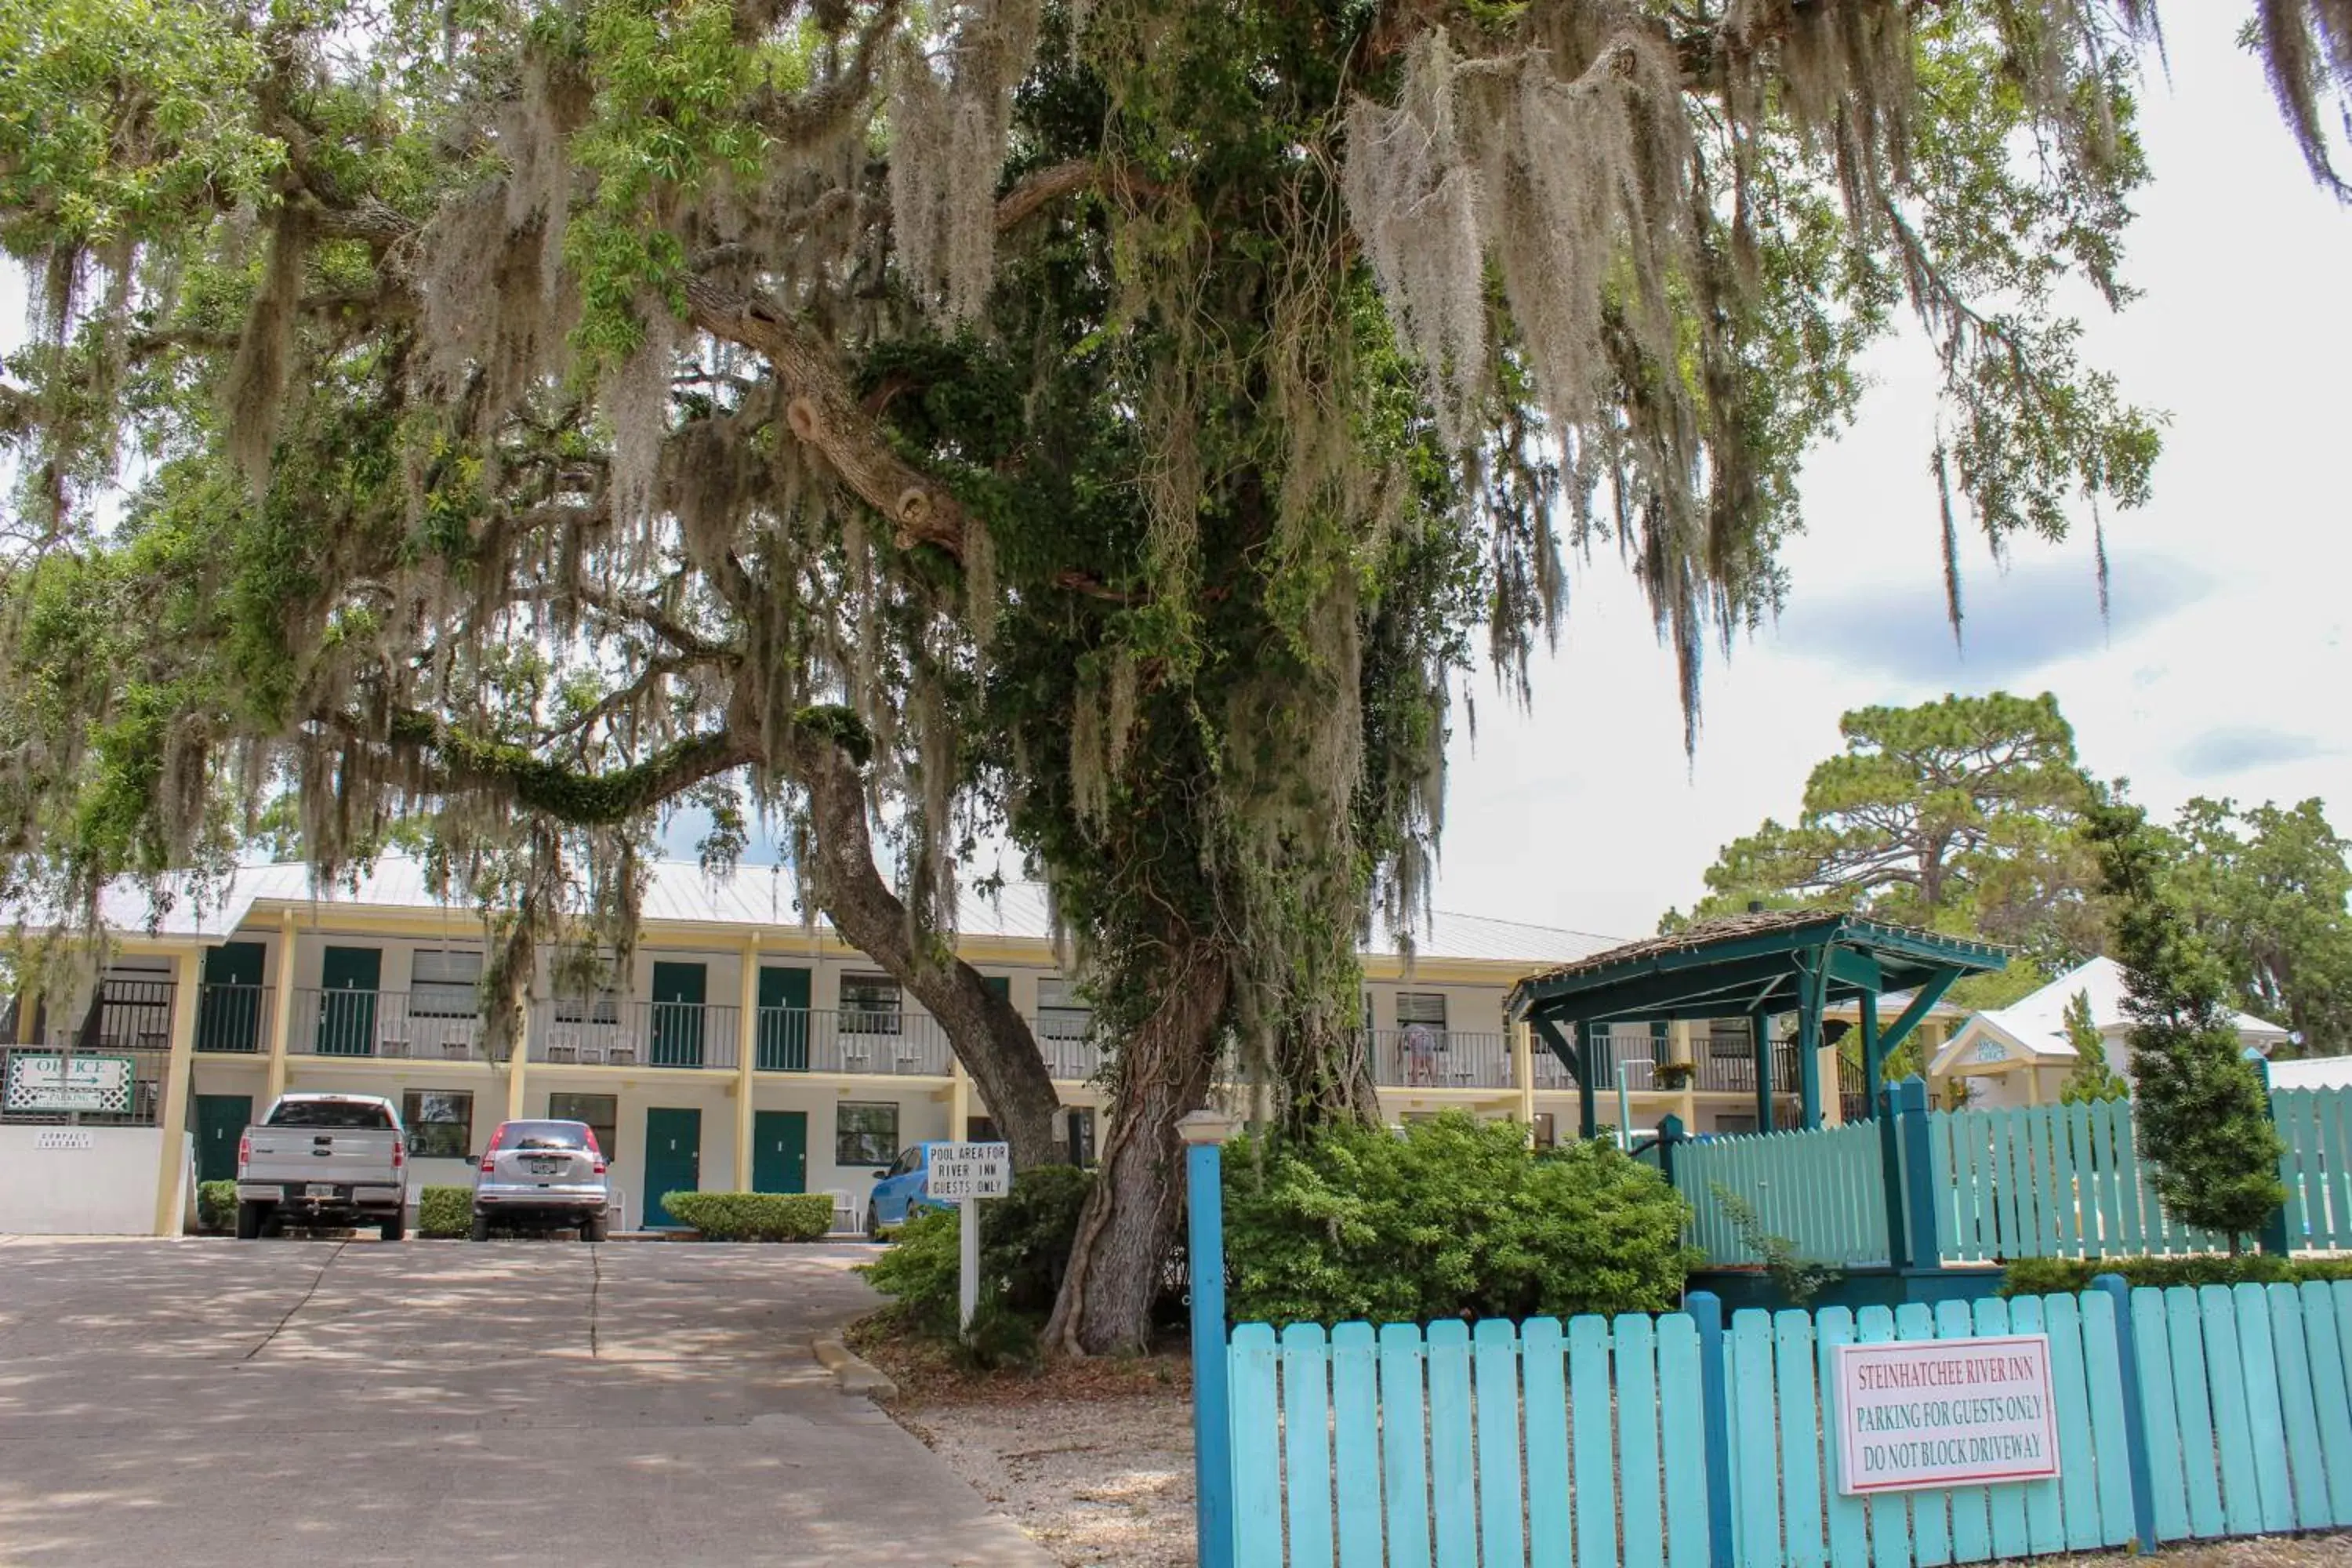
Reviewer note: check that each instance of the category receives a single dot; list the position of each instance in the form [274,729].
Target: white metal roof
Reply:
[2036,1026]
[2313,1072]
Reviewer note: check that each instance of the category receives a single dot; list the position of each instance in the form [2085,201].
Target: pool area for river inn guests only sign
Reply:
[1945,1413]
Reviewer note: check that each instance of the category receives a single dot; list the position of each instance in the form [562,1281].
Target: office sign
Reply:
[970,1170]
[54,1082]
[1945,1413]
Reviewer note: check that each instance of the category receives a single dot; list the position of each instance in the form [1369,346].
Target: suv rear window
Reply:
[329,1113]
[545,1135]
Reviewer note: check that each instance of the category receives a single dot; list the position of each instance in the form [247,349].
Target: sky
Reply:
[2221,669]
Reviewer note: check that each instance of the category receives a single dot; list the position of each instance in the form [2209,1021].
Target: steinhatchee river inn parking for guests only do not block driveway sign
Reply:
[1944,1414]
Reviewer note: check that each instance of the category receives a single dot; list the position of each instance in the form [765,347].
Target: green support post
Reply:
[1761,1030]
[1585,1107]
[1812,998]
[1873,1059]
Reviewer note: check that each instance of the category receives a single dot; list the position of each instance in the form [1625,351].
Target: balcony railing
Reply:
[1727,1068]
[125,1016]
[794,1039]
[347,1023]
[234,1019]
[637,1034]
[1425,1057]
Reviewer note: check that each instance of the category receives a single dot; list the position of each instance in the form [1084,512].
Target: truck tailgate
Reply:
[343,1154]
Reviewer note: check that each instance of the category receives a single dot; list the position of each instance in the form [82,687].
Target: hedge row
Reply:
[752,1217]
[2058,1276]
[445,1211]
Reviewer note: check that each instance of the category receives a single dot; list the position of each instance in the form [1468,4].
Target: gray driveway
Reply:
[290,1403]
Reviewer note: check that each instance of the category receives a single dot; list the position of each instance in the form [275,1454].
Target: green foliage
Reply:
[2202,1117]
[446,1212]
[2090,1080]
[1797,1278]
[1962,815]
[2058,1276]
[753,1217]
[1024,1244]
[1454,1218]
[2265,887]
[215,1207]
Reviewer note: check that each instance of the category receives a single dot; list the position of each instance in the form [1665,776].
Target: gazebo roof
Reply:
[1739,964]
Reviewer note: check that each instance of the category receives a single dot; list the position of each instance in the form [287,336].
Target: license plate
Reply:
[318,1190]
[545,1167]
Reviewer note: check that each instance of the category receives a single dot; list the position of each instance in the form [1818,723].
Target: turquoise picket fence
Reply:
[2051,1181]
[1825,1190]
[2315,1124]
[1669,1442]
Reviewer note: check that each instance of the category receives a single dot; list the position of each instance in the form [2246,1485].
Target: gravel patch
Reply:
[1099,1482]
[1092,1459]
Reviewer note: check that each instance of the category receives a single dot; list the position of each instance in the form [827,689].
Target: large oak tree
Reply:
[1107,423]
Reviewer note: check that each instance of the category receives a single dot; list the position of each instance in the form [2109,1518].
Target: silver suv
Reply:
[541,1176]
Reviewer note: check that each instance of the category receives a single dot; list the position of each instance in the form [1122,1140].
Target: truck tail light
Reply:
[244,1152]
[399,1151]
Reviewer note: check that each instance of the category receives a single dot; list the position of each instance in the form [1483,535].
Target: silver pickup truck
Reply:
[323,1160]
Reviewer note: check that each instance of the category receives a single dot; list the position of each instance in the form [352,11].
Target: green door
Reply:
[673,1159]
[221,1120]
[784,1021]
[677,1014]
[228,1007]
[779,1151]
[348,979]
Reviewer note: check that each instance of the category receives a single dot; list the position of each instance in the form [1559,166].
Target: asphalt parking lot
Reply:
[301,1402]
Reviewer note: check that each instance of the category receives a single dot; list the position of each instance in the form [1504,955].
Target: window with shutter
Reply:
[445,982]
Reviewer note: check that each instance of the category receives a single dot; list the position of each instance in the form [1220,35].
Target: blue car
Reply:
[901,1193]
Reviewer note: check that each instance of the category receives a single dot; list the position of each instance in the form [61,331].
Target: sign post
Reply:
[968,1172]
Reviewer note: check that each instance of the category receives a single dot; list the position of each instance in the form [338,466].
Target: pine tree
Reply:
[2204,1125]
[2093,1080]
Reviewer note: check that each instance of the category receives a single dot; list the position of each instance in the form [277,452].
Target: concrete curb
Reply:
[851,1372]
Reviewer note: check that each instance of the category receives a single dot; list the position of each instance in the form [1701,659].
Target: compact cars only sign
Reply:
[53,1081]
[1945,1413]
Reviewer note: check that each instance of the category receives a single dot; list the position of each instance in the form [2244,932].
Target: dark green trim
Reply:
[1929,993]
[1859,969]
[1927,951]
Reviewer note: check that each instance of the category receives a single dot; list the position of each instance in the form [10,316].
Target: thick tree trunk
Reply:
[993,1042]
[1325,1073]
[1164,1069]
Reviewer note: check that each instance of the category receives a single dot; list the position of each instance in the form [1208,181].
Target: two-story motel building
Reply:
[746,1047]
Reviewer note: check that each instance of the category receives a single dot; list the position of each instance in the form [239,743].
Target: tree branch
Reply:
[576,796]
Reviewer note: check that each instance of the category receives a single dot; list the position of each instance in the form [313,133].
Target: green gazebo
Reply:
[1755,966]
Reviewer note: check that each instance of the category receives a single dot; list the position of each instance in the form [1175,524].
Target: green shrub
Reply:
[752,1217]
[1454,1218]
[2064,1276]
[445,1211]
[1024,1244]
[215,1207]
